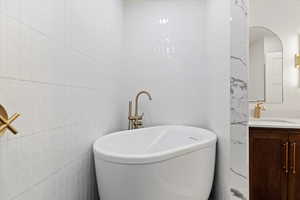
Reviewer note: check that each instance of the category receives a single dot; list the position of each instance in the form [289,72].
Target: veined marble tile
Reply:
[239,92]
[239,133]
[239,152]
[239,187]
[239,156]
[239,30]
[237,195]
[239,101]
[243,5]
[239,69]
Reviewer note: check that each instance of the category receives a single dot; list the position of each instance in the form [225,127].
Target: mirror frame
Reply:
[262,27]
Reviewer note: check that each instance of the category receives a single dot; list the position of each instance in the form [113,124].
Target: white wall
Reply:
[217,41]
[164,52]
[282,17]
[59,69]
[62,69]
[172,47]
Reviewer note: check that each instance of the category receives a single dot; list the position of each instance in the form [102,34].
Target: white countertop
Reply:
[292,123]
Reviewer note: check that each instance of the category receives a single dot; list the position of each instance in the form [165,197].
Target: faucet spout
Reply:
[137,100]
[136,120]
[258,109]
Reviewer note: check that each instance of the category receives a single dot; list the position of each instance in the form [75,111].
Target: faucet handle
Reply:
[134,118]
[140,117]
[138,123]
[258,108]
[260,105]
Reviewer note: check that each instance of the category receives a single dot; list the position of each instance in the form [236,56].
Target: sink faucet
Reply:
[257,110]
[136,120]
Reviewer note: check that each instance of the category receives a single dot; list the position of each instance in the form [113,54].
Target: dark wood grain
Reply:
[294,176]
[268,180]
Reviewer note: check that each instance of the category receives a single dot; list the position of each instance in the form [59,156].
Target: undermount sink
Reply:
[273,120]
[275,123]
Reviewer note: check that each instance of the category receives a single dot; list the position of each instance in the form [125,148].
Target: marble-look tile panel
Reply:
[239,92]
[239,187]
[239,152]
[239,133]
[242,4]
[239,101]
[236,194]
[239,30]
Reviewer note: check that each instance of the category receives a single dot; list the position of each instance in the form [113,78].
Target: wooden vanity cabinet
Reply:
[294,173]
[274,164]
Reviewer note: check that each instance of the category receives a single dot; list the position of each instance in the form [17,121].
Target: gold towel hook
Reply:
[5,122]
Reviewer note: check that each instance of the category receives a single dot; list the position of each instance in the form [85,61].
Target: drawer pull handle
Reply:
[286,158]
[293,167]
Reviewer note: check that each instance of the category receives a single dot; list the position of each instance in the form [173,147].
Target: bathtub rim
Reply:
[148,158]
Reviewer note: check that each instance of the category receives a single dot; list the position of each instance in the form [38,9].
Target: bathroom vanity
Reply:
[274,159]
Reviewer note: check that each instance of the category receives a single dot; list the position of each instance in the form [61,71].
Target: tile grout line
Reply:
[237,141]
[46,83]
[238,174]
[65,45]
[45,131]
[49,175]
[239,59]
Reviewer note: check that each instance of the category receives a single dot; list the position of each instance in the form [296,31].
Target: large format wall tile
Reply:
[239,101]
[47,17]
[66,99]
[239,30]
[12,8]
[63,66]
[95,27]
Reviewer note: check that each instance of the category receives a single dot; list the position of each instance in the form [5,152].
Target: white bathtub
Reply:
[157,163]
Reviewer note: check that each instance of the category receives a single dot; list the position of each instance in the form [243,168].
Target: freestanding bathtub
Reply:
[157,163]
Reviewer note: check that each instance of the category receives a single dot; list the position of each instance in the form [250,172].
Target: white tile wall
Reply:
[183,45]
[164,45]
[64,94]
[217,42]
[61,68]
[12,7]
[47,17]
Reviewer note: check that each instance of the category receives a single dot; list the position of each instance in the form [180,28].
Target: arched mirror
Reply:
[266,66]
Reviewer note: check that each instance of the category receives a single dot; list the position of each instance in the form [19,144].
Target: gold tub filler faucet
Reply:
[136,120]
